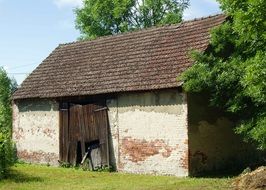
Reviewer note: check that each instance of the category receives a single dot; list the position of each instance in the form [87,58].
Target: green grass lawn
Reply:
[23,176]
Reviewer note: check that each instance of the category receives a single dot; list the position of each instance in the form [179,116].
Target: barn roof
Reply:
[142,60]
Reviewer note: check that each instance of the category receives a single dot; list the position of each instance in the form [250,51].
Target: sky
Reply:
[30,30]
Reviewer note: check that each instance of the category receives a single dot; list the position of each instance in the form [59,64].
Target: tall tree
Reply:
[100,18]
[6,148]
[233,70]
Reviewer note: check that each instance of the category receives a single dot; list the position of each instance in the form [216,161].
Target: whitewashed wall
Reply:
[36,131]
[149,132]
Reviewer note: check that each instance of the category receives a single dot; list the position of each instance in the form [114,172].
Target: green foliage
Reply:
[87,167]
[65,164]
[104,169]
[6,146]
[6,154]
[100,18]
[233,69]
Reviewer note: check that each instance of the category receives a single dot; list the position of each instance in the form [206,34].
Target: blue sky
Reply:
[30,30]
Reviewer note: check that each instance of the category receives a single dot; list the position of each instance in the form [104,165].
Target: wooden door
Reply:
[81,125]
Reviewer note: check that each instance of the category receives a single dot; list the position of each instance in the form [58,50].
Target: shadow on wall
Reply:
[112,157]
[167,97]
[213,145]
[36,105]
[168,101]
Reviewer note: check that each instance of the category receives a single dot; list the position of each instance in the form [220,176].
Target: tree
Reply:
[100,18]
[233,69]
[6,147]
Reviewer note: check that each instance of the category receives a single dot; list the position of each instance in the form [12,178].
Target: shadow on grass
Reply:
[218,174]
[232,171]
[18,177]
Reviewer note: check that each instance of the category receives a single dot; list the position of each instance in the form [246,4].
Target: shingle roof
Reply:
[142,60]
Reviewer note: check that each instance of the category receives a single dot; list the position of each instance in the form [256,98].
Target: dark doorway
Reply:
[84,128]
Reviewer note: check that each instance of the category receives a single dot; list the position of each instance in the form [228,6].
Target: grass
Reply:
[25,176]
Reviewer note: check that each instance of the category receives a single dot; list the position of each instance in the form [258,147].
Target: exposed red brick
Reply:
[185,159]
[18,134]
[37,157]
[49,132]
[140,150]
[167,152]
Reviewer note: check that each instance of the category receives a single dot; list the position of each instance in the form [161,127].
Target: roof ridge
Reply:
[143,29]
[204,17]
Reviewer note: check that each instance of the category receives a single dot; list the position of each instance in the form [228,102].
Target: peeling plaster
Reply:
[152,131]
[36,130]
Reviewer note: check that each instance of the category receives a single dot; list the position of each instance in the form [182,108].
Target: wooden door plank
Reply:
[73,135]
[61,136]
[86,123]
[65,134]
[106,135]
[102,124]
[81,130]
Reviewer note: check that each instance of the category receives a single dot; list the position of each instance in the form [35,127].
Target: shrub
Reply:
[7,157]
[6,154]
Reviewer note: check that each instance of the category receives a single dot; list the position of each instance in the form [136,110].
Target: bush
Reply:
[6,154]
[7,157]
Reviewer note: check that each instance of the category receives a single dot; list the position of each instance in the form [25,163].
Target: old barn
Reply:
[118,97]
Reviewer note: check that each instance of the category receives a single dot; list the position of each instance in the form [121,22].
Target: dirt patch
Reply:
[255,180]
